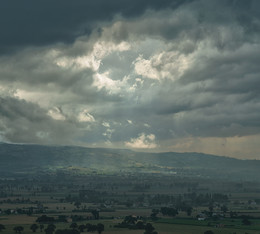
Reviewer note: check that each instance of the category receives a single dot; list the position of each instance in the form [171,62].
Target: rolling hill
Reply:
[22,158]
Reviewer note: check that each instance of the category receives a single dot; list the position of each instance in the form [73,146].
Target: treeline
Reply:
[136,223]
[74,228]
[190,198]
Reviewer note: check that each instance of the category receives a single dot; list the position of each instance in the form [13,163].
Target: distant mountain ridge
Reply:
[17,158]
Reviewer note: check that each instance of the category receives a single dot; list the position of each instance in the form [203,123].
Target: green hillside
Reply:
[22,158]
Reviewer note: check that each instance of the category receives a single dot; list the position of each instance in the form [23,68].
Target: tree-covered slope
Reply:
[16,158]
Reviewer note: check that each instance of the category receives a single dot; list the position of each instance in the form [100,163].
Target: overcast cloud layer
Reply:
[146,75]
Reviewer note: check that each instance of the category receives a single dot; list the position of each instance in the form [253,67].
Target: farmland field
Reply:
[171,204]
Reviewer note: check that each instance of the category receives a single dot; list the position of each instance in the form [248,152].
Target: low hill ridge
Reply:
[17,158]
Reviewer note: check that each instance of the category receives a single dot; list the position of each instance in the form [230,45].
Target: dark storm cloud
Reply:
[37,68]
[12,109]
[27,23]
[199,20]
[20,120]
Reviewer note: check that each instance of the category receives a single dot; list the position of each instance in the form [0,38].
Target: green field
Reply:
[228,207]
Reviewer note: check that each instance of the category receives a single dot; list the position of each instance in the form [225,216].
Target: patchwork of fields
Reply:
[171,204]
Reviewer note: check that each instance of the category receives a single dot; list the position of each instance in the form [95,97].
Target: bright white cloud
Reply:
[81,62]
[142,142]
[56,114]
[103,81]
[40,97]
[108,133]
[84,116]
[170,65]
[91,60]
[42,135]
[106,124]
[147,125]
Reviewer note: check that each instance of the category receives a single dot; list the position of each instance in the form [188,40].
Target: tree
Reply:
[62,218]
[169,211]
[156,211]
[209,232]
[2,227]
[140,225]
[189,210]
[211,207]
[34,227]
[18,229]
[41,227]
[87,226]
[67,231]
[91,227]
[51,226]
[233,214]
[95,213]
[74,225]
[50,229]
[224,208]
[130,219]
[245,221]
[81,227]
[100,228]
[45,219]
[154,214]
[77,204]
[148,228]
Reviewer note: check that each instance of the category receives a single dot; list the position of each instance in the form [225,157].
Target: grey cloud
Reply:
[189,110]
[214,95]
[46,22]
[25,122]
[36,66]
[227,24]
[12,109]
[34,71]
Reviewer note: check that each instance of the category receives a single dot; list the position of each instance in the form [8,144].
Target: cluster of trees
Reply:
[189,198]
[208,232]
[89,227]
[204,199]
[63,218]
[160,199]
[2,227]
[77,218]
[16,201]
[67,231]
[149,229]
[132,222]
[86,196]
[50,229]
[45,219]
[169,211]
[18,229]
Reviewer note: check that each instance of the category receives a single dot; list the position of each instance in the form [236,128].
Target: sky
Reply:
[157,75]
